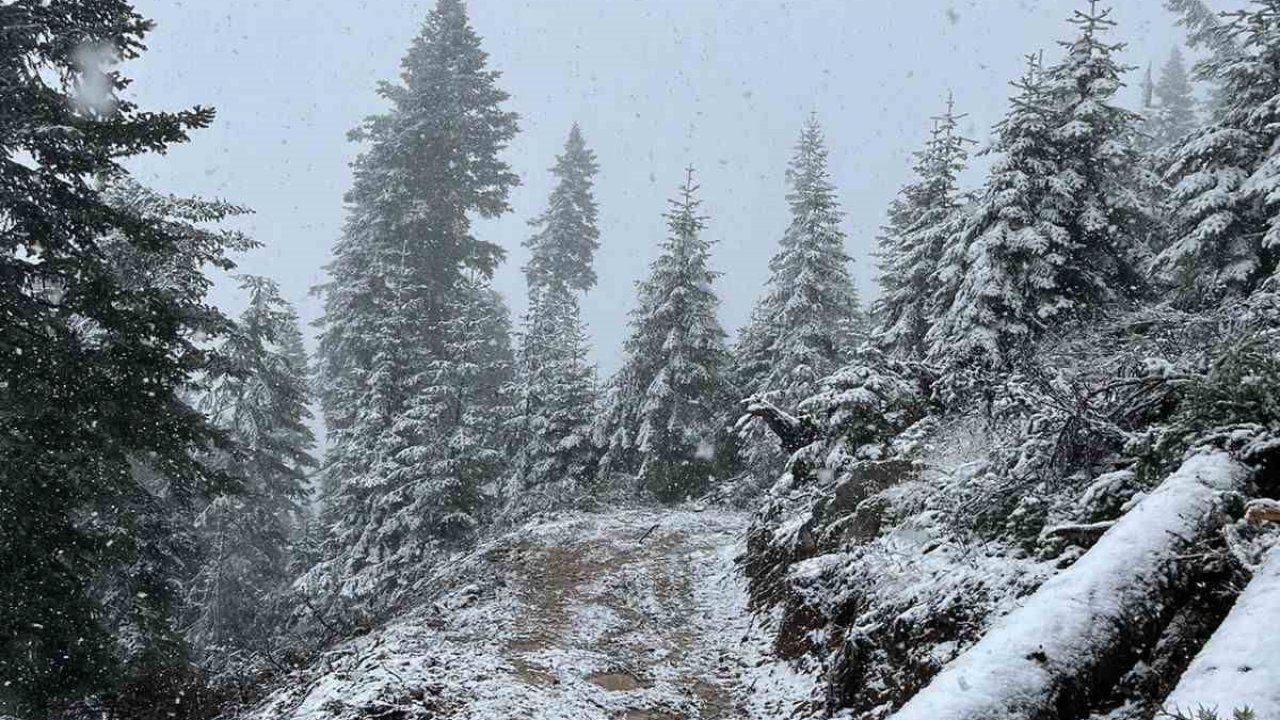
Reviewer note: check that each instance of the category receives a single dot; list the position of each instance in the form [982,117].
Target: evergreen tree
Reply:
[94,360]
[809,316]
[924,222]
[259,397]
[1174,115]
[554,462]
[566,238]
[665,408]
[1066,213]
[406,276]
[1225,175]
[553,454]
[1019,215]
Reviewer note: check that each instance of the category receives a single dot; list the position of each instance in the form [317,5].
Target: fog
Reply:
[655,84]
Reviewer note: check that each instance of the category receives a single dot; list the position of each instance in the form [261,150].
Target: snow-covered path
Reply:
[635,615]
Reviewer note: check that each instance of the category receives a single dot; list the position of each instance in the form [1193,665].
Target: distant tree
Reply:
[407,274]
[259,397]
[1224,237]
[99,459]
[1173,116]
[553,453]
[565,236]
[925,221]
[665,412]
[809,317]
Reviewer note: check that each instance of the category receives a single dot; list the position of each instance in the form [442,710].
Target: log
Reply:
[1240,665]
[1073,637]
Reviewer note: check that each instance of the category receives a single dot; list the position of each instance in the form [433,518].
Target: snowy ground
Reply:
[633,615]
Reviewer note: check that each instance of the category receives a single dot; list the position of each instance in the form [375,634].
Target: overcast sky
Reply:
[655,84]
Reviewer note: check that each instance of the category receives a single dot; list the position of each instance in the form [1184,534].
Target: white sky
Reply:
[655,84]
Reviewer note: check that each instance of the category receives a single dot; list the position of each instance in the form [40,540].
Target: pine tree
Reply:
[1224,176]
[554,457]
[1067,209]
[259,398]
[1174,115]
[406,273]
[1018,217]
[664,419]
[809,317]
[566,238]
[94,359]
[925,221]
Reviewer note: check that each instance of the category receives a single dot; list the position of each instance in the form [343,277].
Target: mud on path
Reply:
[631,615]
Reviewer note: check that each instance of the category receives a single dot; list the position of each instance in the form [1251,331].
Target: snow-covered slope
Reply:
[633,614]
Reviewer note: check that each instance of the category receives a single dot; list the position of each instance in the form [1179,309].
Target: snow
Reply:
[586,617]
[1082,611]
[1240,665]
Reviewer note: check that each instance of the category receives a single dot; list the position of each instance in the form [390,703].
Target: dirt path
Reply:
[636,615]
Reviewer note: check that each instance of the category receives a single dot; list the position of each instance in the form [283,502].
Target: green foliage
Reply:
[664,421]
[102,303]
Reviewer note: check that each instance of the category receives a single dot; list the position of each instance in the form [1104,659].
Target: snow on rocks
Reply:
[629,614]
[1077,619]
[1240,665]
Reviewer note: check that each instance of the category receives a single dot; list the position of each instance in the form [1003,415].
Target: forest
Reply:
[1034,477]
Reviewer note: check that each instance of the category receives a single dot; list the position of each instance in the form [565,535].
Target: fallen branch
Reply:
[794,433]
[1084,535]
[1069,641]
[1261,511]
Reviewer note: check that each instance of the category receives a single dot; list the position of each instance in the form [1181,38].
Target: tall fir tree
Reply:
[1019,214]
[259,397]
[1226,218]
[664,421]
[565,237]
[809,317]
[1067,212]
[101,305]
[405,273]
[553,453]
[925,222]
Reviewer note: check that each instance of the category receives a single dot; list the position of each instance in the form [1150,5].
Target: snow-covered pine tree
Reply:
[1173,115]
[400,282]
[809,317]
[1019,216]
[94,359]
[555,458]
[553,452]
[565,236]
[1226,218]
[925,221]
[665,417]
[259,397]
[1066,213]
